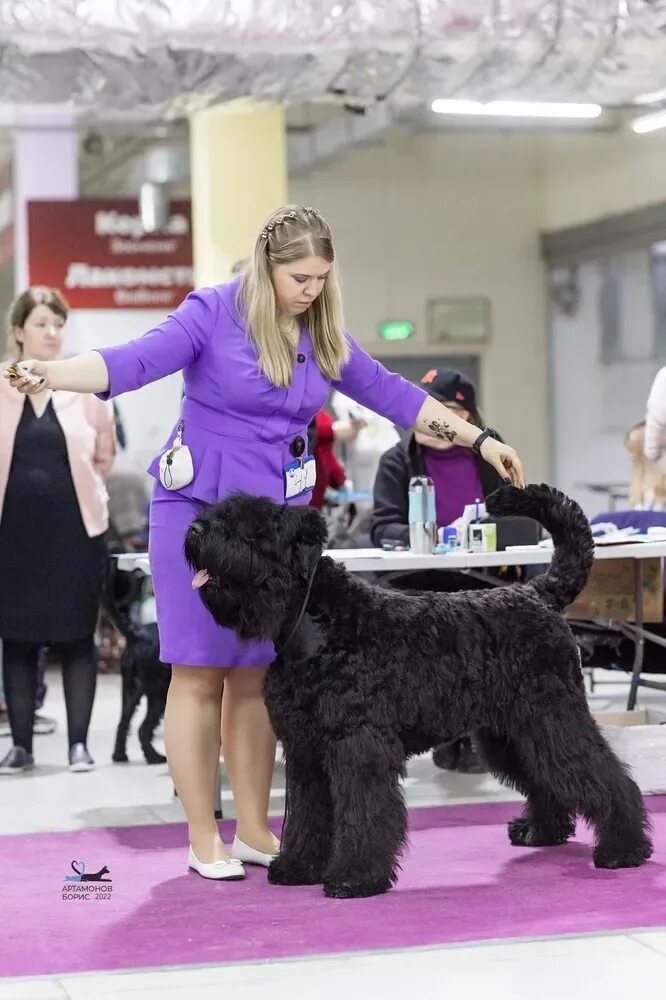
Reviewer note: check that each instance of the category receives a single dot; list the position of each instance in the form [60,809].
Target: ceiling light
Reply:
[517,109]
[649,123]
[652,98]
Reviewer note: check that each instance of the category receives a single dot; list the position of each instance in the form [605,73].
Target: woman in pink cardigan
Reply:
[56,450]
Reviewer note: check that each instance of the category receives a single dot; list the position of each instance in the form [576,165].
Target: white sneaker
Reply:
[231,870]
[249,855]
[43,725]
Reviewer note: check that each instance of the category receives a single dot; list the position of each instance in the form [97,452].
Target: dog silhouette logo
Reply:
[81,876]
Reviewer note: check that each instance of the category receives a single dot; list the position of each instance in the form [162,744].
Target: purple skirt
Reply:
[189,635]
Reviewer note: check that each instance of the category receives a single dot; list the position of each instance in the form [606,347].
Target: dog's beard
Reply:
[247,554]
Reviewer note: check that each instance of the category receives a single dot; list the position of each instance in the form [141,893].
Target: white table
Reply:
[379,561]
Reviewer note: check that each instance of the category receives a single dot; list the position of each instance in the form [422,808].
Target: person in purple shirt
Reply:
[259,356]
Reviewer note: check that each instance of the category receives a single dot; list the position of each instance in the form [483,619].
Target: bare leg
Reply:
[249,755]
[192,739]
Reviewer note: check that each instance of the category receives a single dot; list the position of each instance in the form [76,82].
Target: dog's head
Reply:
[250,556]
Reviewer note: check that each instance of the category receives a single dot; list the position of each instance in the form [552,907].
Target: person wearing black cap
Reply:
[460,477]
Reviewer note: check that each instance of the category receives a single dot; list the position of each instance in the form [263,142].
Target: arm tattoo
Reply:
[442,430]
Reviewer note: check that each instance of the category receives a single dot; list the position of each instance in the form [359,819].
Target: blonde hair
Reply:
[291,233]
[23,305]
[648,482]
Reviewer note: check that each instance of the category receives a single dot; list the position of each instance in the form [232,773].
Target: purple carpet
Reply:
[461,881]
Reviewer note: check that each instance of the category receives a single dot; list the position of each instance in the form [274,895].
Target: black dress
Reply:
[50,570]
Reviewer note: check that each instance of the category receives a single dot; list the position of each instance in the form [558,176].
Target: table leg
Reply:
[218,793]
[638,638]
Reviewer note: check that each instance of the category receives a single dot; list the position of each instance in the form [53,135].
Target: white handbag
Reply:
[176,466]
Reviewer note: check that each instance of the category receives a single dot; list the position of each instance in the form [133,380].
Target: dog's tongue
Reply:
[200,578]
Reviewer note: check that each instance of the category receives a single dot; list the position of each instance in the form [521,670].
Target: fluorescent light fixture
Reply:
[652,98]
[649,123]
[517,109]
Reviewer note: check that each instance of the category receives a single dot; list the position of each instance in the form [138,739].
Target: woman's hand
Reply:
[345,431]
[29,377]
[504,460]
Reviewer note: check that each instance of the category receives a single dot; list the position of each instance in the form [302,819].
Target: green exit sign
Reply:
[396,330]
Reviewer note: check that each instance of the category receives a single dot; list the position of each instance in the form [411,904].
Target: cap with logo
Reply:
[450,386]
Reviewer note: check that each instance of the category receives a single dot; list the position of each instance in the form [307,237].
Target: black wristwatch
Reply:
[487,432]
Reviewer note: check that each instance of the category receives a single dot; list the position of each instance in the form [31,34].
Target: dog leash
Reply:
[279,652]
[301,613]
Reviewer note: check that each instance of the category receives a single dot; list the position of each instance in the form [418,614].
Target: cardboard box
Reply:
[639,739]
[610,592]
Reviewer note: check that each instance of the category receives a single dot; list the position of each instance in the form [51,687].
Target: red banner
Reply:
[97,254]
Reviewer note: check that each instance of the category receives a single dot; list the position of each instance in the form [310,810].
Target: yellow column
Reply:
[238,158]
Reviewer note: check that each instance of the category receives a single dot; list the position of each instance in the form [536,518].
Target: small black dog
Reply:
[143,673]
[365,677]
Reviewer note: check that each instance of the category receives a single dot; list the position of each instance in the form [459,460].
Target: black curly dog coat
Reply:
[371,676]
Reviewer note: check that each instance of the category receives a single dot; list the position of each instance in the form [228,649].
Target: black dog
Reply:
[143,673]
[366,677]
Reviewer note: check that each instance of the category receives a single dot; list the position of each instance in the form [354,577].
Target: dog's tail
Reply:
[563,518]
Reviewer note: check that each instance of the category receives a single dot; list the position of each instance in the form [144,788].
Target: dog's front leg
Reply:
[306,838]
[369,814]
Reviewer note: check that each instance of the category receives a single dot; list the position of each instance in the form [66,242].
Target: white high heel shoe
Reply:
[249,855]
[231,870]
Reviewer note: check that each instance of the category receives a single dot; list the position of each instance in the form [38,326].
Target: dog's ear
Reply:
[312,530]
[306,534]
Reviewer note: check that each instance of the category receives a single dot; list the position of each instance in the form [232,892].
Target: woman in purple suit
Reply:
[259,357]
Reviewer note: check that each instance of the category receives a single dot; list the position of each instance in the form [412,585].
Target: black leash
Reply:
[301,613]
[279,652]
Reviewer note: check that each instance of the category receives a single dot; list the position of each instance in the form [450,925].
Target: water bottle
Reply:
[422,515]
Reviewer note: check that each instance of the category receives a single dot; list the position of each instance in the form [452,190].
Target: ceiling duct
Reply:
[142,58]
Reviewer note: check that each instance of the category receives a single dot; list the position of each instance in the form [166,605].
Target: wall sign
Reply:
[396,329]
[458,320]
[96,253]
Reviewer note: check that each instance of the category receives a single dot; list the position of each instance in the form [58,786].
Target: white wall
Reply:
[428,215]
[587,177]
[595,403]
[148,415]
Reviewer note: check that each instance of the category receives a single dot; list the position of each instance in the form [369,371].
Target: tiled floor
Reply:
[607,967]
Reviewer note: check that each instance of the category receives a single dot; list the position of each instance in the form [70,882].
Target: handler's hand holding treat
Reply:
[28,376]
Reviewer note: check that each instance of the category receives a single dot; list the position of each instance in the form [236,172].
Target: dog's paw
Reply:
[283,872]
[523,833]
[153,757]
[347,889]
[633,858]
[120,757]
